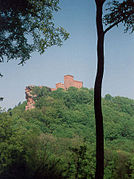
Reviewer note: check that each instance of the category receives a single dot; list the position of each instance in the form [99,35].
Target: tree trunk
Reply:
[97,95]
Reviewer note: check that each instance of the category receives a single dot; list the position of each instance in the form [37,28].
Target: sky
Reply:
[76,57]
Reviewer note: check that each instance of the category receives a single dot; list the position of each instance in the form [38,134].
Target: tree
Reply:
[27,26]
[117,12]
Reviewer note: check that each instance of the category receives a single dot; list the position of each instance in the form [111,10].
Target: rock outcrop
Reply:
[29,97]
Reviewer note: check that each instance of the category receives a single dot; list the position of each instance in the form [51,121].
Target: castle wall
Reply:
[60,85]
[53,89]
[78,84]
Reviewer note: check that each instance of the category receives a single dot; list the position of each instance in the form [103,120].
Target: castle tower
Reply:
[68,81]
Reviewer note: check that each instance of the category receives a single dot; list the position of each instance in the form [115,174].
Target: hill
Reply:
[57,138]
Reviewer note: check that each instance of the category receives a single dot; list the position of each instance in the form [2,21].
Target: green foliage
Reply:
[117,164]
[27,26]
[40,91]
[11,141]
[57,138]
[83,161]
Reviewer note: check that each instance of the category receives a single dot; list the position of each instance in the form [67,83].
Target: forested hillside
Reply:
[56,140]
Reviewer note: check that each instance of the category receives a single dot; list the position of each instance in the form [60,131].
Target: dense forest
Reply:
[56,140]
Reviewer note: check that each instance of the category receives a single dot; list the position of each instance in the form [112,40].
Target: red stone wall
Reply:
[60,85]
[53,89]
[78,84]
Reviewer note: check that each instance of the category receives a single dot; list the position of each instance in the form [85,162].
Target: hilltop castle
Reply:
[68,82]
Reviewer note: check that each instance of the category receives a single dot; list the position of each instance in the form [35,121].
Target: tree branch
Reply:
[111,26]
[117,22]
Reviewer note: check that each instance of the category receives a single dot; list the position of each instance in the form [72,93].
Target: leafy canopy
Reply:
[57,138]
[27,26]
[120,12]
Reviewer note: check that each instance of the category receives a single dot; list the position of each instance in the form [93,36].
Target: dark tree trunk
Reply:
[97,94]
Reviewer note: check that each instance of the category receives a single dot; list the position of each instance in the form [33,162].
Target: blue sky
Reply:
[77,57]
